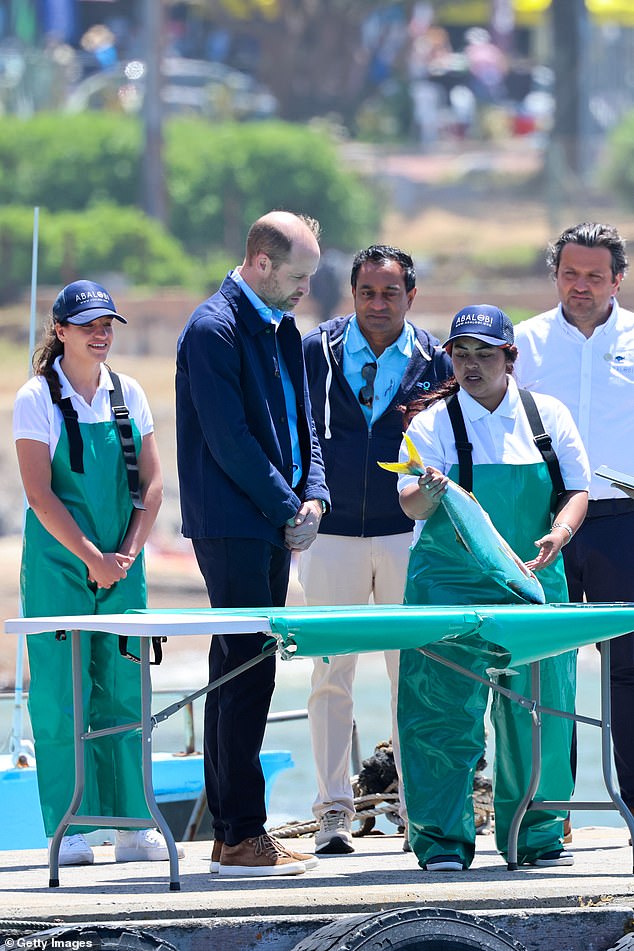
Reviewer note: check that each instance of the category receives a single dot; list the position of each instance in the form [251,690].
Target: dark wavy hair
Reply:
[381,254]
[590,234]
[45,356]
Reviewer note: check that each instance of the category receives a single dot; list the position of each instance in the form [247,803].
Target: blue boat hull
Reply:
[178,781]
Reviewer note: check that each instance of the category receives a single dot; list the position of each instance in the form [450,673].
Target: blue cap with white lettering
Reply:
[484,321]
[83,301]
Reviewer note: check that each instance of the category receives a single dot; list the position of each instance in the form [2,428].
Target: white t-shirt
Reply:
[36,417]
[593,376]
[501,437]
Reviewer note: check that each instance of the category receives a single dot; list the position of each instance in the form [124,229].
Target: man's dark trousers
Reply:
[239,572]
[599,562]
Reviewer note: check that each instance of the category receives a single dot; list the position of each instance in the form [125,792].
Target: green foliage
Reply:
[221,179]
[63,162]
[84,172]
[102,240]
[619,170]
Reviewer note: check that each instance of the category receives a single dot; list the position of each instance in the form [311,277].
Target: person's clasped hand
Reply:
[108,568]
[301,530]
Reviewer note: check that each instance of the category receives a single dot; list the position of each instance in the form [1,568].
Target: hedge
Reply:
[221,179]
[218,179]
[102,240]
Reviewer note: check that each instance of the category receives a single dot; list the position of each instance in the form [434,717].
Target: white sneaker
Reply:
[335,835]
[444,863]
[143,845]
[74,850]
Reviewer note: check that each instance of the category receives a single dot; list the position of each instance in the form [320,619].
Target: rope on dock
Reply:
[375,791]
[366,807]
[369,806]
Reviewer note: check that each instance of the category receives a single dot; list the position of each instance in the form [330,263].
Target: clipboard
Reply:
[612,475]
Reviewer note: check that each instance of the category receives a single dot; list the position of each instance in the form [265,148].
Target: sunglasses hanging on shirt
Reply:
[366,393]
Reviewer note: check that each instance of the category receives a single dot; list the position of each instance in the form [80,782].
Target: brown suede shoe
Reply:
[261,855]
[214,865]
[309,860]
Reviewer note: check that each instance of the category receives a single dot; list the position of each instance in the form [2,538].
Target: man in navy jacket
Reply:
[361,369]
[252,490]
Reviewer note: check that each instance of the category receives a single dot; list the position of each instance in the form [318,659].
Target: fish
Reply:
[477,533]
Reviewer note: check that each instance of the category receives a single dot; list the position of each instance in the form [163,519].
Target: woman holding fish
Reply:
[458,557]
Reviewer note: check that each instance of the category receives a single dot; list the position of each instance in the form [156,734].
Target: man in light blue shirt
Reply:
[273,316]
[361,369]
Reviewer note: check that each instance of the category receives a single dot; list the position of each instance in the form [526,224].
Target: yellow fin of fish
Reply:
[414,464]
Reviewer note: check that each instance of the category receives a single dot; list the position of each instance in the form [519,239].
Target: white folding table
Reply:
[145,626]
[525,634]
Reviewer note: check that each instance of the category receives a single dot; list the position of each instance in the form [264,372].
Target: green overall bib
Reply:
[441,712]
[54,581]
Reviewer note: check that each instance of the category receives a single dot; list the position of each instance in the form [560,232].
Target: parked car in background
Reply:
[194,86]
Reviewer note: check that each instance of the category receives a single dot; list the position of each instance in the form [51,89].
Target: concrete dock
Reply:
[586,907]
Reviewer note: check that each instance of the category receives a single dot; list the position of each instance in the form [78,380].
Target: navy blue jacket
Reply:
[234,452]
[364,496]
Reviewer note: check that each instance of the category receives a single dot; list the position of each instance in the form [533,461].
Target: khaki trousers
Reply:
[338,569]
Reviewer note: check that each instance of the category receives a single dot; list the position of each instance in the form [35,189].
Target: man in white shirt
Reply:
[583,353]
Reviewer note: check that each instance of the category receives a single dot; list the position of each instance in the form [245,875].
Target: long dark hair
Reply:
[44,357]
[446,389]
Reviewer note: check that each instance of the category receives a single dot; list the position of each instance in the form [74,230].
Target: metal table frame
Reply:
[148,625]
[145,627]
[533,705]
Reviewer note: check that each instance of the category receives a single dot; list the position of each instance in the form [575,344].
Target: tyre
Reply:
[411,929]
[96,937]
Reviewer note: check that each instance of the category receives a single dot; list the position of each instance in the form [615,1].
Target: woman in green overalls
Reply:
[83,554]
[441,712]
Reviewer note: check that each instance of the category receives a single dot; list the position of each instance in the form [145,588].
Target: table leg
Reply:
[536,769]
[78,723]
[146,761]
[606,741]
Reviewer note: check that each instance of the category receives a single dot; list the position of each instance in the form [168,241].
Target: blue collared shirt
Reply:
[272,316]
[390,366]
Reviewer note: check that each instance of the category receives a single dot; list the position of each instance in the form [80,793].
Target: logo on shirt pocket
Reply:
[623,361]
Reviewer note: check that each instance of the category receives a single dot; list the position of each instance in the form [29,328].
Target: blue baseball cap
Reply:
[487,323]
[83,301]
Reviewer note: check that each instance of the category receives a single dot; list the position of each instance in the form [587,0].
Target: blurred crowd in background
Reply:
[419,72]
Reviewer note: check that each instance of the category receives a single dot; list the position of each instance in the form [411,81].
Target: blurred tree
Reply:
[312,54]
[569,21]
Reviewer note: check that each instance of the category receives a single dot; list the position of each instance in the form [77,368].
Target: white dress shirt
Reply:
[501,437]
[593,376]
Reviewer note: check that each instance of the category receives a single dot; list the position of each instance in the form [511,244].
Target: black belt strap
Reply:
[124,428]
[157,647]
[463,446]
[75,442]
[543,442]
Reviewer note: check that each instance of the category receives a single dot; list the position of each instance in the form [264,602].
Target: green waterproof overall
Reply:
[54,581]
[441,712]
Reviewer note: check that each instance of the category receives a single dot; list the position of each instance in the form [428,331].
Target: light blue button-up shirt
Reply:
[272,316]
[390,366]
